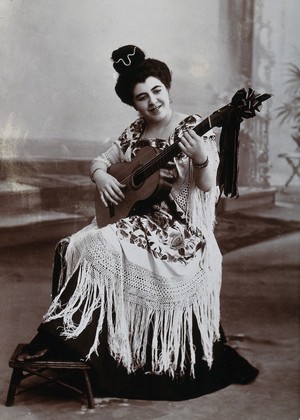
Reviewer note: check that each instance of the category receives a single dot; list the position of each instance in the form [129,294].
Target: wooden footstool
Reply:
[42,368]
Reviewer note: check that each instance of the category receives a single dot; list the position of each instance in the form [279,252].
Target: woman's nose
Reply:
[152,99]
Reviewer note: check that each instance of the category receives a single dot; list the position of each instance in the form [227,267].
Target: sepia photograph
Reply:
[150,209]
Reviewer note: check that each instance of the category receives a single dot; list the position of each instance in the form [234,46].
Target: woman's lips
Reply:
[155,110]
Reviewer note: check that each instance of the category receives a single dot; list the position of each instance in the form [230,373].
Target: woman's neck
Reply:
[163,128]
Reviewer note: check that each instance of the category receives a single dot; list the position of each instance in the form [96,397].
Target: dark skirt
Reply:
[110,379]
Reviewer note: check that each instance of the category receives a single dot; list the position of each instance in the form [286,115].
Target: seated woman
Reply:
[139,298]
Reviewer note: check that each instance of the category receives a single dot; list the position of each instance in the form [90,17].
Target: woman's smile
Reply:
[155,110]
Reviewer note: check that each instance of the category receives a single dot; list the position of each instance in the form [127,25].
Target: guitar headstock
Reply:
[248,102]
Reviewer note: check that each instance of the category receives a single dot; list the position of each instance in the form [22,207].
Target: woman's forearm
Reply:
[204,175]
[96,166]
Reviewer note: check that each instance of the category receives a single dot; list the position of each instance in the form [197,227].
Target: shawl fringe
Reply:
[132,322]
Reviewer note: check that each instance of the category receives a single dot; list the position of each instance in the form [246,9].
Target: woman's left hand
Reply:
[196,149]
[193,146]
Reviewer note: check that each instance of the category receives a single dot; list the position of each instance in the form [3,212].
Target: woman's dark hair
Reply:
[130,62]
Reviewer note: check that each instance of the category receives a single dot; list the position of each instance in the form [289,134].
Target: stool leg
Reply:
[14,382]
[89,393]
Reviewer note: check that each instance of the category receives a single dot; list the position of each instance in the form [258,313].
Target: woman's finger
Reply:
[120,185]
[117,190]
[109,198]
[192,137]
[115,193]
[103,199]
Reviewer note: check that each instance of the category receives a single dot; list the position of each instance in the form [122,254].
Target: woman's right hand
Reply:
[109,188]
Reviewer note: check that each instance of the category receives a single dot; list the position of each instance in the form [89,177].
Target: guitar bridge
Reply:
[111,209]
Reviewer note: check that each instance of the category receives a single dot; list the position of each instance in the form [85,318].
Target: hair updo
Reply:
[130,62]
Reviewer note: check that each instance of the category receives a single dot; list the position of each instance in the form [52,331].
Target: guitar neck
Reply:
[173,150]
[214,120]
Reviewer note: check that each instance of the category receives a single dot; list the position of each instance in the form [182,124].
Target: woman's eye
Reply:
[156,91]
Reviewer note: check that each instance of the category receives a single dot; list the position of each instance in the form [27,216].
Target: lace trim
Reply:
[133,298]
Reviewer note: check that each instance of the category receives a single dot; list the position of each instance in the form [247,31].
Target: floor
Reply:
[260,315]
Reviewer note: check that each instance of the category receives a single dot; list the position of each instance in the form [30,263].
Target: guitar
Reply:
[145,179]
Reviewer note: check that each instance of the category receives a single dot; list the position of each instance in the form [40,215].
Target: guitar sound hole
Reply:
[137,181]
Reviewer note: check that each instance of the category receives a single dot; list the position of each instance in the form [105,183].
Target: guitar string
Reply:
[152,163]
[160,157]
[209,122]
[155,161]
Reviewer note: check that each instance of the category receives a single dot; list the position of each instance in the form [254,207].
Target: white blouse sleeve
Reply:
[111,156]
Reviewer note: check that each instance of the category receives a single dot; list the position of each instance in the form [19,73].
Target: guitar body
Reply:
[139,194]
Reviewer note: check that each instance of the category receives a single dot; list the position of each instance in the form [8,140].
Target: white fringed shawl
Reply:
[136,292]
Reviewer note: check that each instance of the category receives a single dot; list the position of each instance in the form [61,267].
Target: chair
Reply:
[44,368]
[293,159]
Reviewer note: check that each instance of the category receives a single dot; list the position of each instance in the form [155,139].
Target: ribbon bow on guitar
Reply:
[244,105]
[146,180]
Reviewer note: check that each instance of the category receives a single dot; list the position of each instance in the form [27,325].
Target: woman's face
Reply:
[151,100]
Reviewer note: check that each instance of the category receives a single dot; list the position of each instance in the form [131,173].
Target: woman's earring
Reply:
[170,100]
